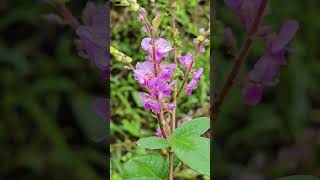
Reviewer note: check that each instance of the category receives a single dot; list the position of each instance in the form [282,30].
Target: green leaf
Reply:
[145,168]
[153,143]
[299,177]
[193,151]
[196,127]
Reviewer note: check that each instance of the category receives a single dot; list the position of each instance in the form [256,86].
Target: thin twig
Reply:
[240,58]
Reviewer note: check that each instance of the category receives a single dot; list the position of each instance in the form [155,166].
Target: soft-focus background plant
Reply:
[281,135]
[47,126]
[129,121]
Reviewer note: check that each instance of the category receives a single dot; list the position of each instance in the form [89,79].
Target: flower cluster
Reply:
[267,67]
[154,74]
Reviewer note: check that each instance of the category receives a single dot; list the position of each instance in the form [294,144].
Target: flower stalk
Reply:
[240,59]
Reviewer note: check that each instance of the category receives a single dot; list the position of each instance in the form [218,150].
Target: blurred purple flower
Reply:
[245,9]
[268,66]
[158,133]
[94,35]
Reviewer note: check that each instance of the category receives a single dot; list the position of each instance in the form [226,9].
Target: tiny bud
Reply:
[202,31]
[196,41]
[144,29]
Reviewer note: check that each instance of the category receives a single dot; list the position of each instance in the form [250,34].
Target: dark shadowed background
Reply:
[48,126]
[281,135]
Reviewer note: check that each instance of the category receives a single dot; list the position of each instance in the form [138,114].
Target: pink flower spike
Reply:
[194,81]
[186,60]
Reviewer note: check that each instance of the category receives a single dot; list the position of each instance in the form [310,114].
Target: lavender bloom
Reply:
[159,88]
[162,48]
[186,60]
[268,66]
[245,9]
[144,72]
[194,81]
[150,103]
[229,40]
[166,71]
[93,35]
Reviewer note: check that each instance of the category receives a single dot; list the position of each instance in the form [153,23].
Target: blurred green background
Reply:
[281,135]
[47,125]
[129,120]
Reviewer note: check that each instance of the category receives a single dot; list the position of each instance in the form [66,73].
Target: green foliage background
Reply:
[129,121]
[280,136]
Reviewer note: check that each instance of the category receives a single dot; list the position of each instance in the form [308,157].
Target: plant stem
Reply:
[61,7]
[240,58]
[173,117]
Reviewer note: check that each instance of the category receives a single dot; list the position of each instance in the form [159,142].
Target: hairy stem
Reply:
[240,59]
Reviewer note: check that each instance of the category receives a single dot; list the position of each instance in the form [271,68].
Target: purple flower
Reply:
[268,66]
[171,106]
[277,42]
[144,72]
[186,60]
[159,88]
[159,133]
[245,9]
[94,34]
[149,103]
[252,94]
[194,81]
[162,48]
[166,71]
